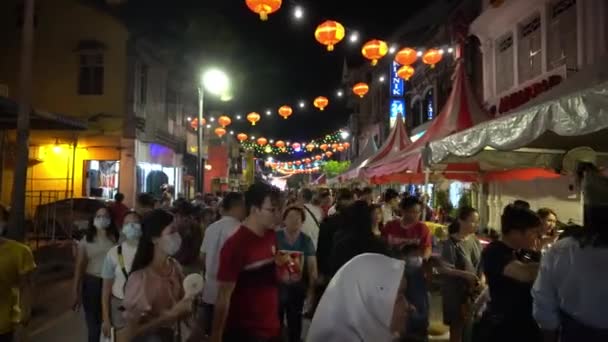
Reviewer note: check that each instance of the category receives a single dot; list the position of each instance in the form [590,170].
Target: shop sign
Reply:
[397,83]
[397,106]
[509,102]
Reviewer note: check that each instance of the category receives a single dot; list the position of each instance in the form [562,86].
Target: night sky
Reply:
[274,62]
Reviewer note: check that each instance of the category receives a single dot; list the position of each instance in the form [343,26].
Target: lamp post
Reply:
[217,83]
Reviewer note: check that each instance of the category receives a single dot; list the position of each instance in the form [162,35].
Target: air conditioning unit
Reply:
[3,90]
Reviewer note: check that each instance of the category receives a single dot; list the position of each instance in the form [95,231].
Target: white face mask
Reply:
[171,243]
[101,222]
[132,230]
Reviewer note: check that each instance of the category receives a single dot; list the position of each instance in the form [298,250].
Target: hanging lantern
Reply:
[220,131]
[279,144]
[330,33]
[360,89]
[329,154]
[298,162]
[224,121]
[405,72]
[324,147]
[194,123]
[262,141]
[334,146]
[346,145]
[310,147]
[406,56]
[318,157]
[321,102]
[264,7]
[307,160]
[432,57]
[253,117]
[296,146]
[285,111]
[241,137]
[374,50]
[268,149]
[340,148]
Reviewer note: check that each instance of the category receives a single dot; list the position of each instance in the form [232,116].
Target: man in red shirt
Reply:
[246,308]
[118,210]
[408,230]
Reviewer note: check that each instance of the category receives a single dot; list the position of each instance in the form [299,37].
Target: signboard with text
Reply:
[397,83]
[397,94]
[397,106]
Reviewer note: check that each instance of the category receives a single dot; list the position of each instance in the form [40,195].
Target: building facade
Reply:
[421,98]
[124,88]
[529,46]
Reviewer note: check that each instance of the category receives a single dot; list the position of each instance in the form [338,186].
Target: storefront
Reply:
[102,178]
[158,166]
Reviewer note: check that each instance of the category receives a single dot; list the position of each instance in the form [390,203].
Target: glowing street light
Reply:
[216,82]
[354,37]
[298,13]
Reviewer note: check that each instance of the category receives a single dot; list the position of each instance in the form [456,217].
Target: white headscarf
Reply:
[359,301]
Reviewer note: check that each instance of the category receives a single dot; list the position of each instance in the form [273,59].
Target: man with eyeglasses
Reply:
[246,308]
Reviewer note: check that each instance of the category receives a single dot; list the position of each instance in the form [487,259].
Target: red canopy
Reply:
[397,141]
[461,111]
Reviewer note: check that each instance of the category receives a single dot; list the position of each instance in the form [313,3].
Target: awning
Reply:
[39,120]
[396,141]
[579,118]
[461,111]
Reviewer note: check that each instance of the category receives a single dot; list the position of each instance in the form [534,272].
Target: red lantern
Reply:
[321,102]
[194,123]
[285,111]
[432,57]
[224,121]
[346,145]
[330,33]
[340,148]
[374,50]
[262,141]
[334,146]
[405,72]
[279,144]
[360,89]
[318,157]
[253,117]
[241,137]
[310,147]
[296,146]
[406,56]
[324,147]
[329,154]
[263,7]
[220,131]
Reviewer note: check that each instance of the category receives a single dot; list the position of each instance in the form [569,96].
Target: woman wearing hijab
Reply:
[364,302]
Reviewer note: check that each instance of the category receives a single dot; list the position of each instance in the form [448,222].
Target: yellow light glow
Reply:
[57,149]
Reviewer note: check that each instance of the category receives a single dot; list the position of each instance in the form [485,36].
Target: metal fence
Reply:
[42,218]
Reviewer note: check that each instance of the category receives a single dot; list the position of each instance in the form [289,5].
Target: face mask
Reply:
[101,222]
[132,231]
[170,244]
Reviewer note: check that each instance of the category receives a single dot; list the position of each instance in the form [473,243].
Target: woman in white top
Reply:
[364,302]
[115,272]
[100,236]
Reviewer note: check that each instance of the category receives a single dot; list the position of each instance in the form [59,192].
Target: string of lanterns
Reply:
[326,146]
[329,33]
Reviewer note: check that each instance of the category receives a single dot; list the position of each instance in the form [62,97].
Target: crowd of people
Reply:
[360,268]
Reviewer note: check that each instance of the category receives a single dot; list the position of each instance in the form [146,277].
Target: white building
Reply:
[527,41]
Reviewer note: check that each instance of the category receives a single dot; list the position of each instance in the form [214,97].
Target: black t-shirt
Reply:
[508,297]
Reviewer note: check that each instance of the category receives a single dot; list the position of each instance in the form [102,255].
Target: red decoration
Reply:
[360,89]
[406,56]
[324,147]
[194,123]
[264,7]
[224,121]
[241,137]
[432,57]
[262,141]
[285,111]
[374,50]
[220,131]
[279,144]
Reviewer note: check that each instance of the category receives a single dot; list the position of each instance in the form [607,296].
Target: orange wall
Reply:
[218,159]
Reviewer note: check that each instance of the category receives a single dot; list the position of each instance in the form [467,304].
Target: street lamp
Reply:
[217,83]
